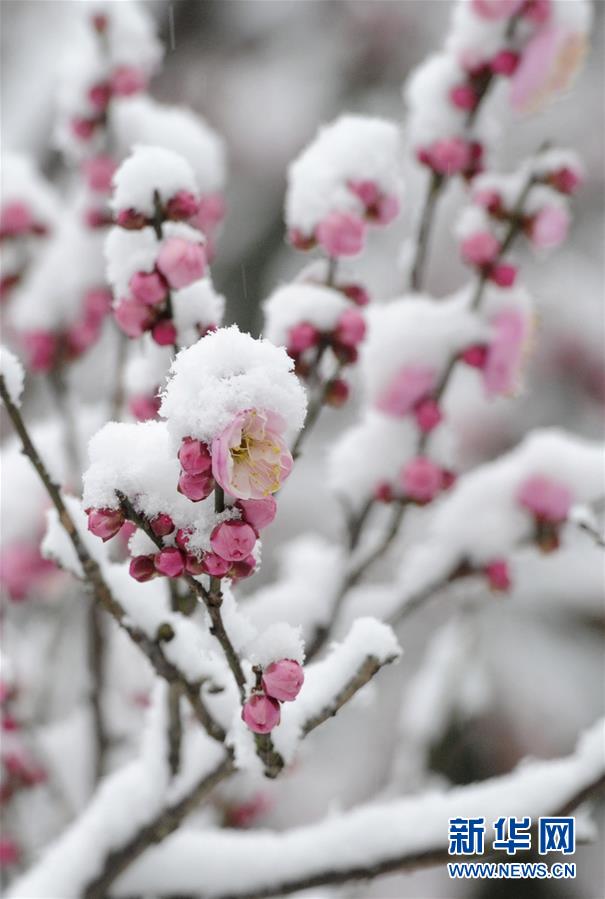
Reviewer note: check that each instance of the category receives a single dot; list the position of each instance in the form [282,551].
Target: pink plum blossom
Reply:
[505,352]
[194,456]
[350,328]
[195,487]
[463,96]
[341,234]
[15,218]
[261,713]
[210,213]
[98,172]
[547,66]
[549,227]
[480,248]
[566,180]
[169,562]
[164,333]
[250,459]
[427,414]
[448,156]
[148,288]
[282,680]
[259,513]
[547,499]
[410,384]
[105,523]
[302,337]
[233,540]
[41,350]
[21,566]
[133,317]
[181,261]
[421,479]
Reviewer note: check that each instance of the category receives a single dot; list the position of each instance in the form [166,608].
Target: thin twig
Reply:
[424,230]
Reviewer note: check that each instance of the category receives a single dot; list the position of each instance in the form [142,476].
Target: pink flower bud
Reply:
[504,63]
[449,156]
[548,229]
[341,234]
[169,562]
[127,80]
[480,249]
[367,191]
[428,415]
[182,538]
[105,523]
[498,575]
[80,337]
[142,568]
[182,206]
[242,569]
[409,385]
[195,487]
[475,356]
[162,525]
[40,348]
[148,288]
[357,293]
[98,172]
[492,10]
[383,493]
[386,210]
[164,333]
[10,853]
[215,565]
[301,337]
[282,680]
[143,407]
[258,513]
[421,479]
[211,212]
[351,328]
[463,96]
[99,22]
[301,241]
[194,565]
[181,261]
[131,219]
[261,713]
[233,540]
[83,128]
[547,499]
[503,274]
[97,303]
[99,96]
[488,199]
[194,456]
[566,180]
[133,317]
[337,393]
[15,218]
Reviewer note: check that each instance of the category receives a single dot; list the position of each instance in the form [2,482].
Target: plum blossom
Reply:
[411,384]
[283,680]
[505,352]
[546,498]
[547,66]
[261,713]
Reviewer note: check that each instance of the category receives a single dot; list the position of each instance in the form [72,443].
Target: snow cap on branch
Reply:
[13,374]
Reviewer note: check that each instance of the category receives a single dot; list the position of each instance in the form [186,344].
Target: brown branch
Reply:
[175,729]
[95,581]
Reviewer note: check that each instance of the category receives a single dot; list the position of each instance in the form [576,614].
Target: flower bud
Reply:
[194,456]
[133,317]
[282,680]
[357,293]
[351,328]
[162,525]
[164,333]
[337,393]
[148,288]
[480,249]
[261,713]
[301,337]
[182,206]
[428,415]
[233,540]
[142,568]
[215,565]
[127,80]
[503,275]
[498,576]
[421,479]
[463,96]
[242,569]
[258,513]
[181,261]
[341,234]
[105,523]
[169,562]
[195,487]
[130,219]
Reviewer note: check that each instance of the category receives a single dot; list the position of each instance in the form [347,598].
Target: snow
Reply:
[301,302]
[278,641]
[144,120]
[353,147]
[430,113]
[196,306]
[147,170]
[13,374]
[232,863]
[146,367]
[22,183]
[224,373]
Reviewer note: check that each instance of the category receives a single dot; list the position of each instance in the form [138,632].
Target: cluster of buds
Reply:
[306,344]
[343,233]
[47,350]
[411,392]
[179,263]
[448,156]
[419,482]
[279,682]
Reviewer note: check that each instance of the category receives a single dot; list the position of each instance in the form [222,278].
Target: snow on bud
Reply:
[169,562]
[181,261]
[283,680]
[547,499]
[105,523]
[261,713]
[259,513]
[421,479]
[233,540]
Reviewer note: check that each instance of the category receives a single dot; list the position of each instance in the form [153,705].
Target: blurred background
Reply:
[266,74]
